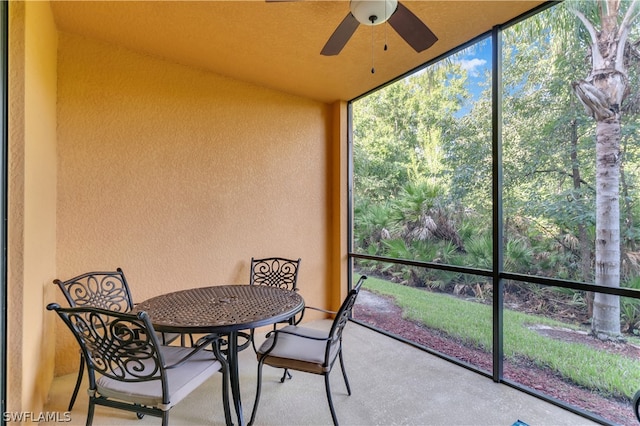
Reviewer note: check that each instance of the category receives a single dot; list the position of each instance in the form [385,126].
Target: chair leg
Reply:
[225,394]
[258,389]
[328,389]
[90,412]
[78,381]
[286,375]
[253,343]
[344,373]
[165,418]
[215,347]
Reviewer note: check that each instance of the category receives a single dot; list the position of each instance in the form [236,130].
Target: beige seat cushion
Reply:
[181,380]
[299,353]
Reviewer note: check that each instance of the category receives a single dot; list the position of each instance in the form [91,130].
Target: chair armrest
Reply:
[299,320]
[283,331]
[326,311]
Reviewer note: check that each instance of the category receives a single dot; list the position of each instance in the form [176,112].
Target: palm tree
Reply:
[603,93]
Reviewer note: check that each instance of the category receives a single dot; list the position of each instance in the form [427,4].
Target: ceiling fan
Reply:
[376,12]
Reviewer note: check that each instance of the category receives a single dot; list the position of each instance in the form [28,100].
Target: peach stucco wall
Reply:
[32,200]
[179,176]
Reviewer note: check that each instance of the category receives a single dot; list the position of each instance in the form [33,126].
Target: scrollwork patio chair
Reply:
[308,350]
[129,369]
[106,290]
[275,272]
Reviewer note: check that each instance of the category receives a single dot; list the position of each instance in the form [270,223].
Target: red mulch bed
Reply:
[381,312]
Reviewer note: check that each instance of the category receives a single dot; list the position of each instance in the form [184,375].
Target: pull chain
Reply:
[373,70]
[373,19]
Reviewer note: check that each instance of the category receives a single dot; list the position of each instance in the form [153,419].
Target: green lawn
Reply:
[471,322]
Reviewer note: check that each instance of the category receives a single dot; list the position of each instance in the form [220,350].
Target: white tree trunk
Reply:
[606,312]
[602,94]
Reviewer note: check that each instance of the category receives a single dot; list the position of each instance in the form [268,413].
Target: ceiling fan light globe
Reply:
[365,10]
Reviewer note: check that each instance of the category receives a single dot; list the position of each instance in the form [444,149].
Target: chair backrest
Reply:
[342,317]
[105,290]
[121,346]
[275,272]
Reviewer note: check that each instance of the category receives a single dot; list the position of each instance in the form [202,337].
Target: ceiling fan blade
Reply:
[412,29]
[340,36]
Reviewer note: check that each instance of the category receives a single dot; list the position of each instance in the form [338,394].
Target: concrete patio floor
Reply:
[392,383]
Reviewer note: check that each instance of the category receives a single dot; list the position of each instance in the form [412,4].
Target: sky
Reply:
[476,60]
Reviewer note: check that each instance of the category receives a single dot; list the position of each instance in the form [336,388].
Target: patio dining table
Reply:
[224,310]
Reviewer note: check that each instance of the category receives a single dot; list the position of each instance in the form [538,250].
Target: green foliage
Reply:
[398,131]
[480,251]
[397,249]
[371,223]
[518,255]
[416,199]
[423,165]
[630,309]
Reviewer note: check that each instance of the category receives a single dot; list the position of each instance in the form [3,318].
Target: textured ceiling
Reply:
[277,44]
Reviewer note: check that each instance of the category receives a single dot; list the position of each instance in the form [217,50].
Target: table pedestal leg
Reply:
[232,358]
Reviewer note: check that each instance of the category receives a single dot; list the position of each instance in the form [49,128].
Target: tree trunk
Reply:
[606,312]
[603,94]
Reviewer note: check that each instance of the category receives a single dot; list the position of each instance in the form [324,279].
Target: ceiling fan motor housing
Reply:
[373,12]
